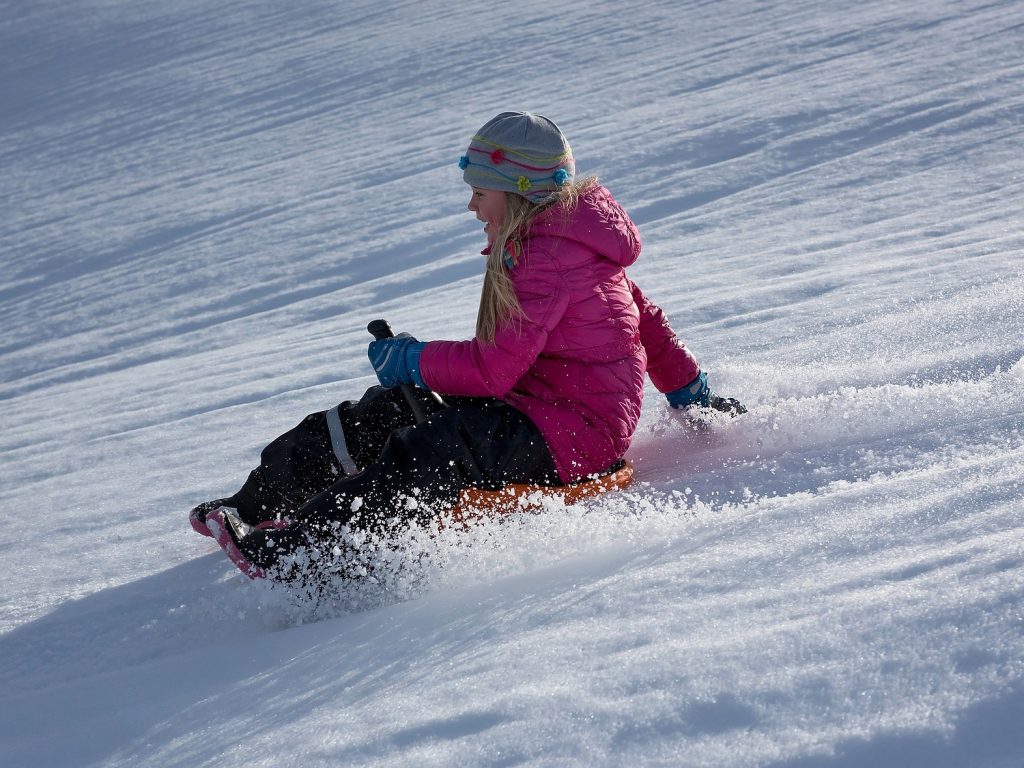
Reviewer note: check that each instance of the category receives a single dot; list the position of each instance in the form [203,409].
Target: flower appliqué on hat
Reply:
[463,162]
[523,184]
[497,156]
[561,176]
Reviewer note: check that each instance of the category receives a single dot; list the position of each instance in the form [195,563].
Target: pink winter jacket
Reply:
[575,363]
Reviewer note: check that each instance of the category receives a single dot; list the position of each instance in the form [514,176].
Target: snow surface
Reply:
[203,203]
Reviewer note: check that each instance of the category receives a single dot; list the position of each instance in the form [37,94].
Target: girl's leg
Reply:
[322,449]
[421,470]
[313,455]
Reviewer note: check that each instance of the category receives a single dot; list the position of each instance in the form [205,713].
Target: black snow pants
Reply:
[369,466]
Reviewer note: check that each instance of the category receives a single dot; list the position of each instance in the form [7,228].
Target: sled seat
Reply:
[478,504]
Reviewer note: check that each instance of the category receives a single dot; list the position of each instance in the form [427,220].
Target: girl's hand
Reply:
[397,360]
[698,393]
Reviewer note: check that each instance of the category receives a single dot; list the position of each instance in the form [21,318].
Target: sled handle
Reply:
[381,329]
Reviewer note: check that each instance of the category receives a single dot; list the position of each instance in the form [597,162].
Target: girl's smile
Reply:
[489,207]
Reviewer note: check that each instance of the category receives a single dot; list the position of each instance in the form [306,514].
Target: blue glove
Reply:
[698,393]
[397,360]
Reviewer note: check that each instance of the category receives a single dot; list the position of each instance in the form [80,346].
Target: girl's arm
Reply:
[669,363]
[478,369]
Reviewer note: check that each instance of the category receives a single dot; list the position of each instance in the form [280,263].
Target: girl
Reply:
[548,391]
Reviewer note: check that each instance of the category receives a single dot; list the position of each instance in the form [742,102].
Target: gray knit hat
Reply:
[519,152]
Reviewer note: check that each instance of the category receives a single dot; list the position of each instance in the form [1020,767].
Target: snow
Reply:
[203,204]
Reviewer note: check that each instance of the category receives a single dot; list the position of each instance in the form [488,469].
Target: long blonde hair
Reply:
[498,302]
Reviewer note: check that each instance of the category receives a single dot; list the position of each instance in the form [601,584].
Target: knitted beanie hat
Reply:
[519,152]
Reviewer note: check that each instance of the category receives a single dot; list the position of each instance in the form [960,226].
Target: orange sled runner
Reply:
[477,504]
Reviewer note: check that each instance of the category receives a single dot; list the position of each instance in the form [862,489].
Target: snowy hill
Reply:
[202,205]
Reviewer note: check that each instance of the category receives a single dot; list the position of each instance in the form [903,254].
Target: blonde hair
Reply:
[498,302]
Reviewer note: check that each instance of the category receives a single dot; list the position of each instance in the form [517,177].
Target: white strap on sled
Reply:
[338,442]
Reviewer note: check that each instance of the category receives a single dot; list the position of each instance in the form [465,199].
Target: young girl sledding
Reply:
[547,392]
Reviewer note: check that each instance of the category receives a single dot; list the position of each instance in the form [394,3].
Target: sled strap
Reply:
[338,442]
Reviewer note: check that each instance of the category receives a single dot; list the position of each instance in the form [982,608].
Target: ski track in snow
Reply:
[203,205]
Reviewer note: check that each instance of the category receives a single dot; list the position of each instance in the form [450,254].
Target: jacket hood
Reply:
[597,222]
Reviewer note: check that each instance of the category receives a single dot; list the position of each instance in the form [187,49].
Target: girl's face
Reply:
[489,207]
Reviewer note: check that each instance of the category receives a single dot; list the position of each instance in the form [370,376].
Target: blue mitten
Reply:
[397,360]
[698,393]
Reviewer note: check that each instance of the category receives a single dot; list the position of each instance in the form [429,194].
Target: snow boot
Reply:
[273,550]
[197,517]
[222,525]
